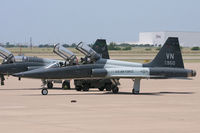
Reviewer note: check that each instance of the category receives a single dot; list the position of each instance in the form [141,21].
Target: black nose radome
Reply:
[17,75]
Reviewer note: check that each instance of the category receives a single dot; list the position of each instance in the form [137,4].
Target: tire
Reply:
[66,84]
[78,88]
[2,83]
[85,88]
[49,85]
[135,92]
[115,90]
[101,89]
[108,87]
[44,91]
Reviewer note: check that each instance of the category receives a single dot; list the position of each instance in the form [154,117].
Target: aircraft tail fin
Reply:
[169,55]
[100,46]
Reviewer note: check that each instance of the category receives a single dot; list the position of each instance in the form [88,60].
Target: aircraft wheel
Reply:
[101,89]
[135,92]
[78,88]
[115,90]
[108,87]
[44,91]
[66,84]
[49,85]
[85,88]
[2,82]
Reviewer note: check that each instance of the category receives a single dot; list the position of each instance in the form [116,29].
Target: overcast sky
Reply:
[67,21]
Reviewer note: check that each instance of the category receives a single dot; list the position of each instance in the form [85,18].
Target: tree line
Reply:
[111,46]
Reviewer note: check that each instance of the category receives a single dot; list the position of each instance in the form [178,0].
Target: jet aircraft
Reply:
[167,64]
[13,64]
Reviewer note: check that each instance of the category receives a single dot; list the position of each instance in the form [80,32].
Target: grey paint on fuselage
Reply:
[87,72]
[69,72]
[18,67]
[118,63]
[24,63]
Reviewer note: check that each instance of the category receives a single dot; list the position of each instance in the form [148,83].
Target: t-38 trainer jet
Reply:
[167,64]
[14,64]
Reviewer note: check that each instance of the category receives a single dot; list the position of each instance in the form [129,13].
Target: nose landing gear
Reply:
[44,91]
[2,80]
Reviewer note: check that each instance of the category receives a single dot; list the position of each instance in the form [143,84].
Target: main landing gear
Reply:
[114,86]
[115,89]
[136,86]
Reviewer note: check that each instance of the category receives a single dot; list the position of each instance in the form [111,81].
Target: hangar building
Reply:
[186,39]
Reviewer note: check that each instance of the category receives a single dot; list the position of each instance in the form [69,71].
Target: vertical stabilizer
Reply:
[169,55]
[100,46]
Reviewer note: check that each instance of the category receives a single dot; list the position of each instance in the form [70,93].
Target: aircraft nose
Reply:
[17,75]
[37,73]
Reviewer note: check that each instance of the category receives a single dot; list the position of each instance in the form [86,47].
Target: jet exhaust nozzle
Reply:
[194,73]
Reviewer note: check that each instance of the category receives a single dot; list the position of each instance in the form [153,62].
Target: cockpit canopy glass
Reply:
[4,53]
[87,51]
[20,58]
[54,65]
[63,52]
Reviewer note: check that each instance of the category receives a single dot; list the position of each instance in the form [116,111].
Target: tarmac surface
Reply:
[164,106]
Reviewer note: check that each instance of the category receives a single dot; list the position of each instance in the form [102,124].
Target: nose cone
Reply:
[41,73]
[18,74]
[22,74]
[29,74]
